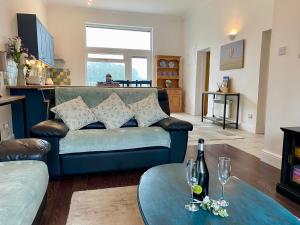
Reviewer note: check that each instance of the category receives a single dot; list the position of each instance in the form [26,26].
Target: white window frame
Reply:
[127,53]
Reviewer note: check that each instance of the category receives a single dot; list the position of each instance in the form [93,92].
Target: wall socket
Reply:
[5,131]
[282,51]
[250,116]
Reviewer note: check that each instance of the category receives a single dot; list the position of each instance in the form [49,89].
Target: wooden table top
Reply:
[35,86]
[221,93]
[5,100]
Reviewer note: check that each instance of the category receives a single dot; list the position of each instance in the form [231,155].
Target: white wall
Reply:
[67,25]
[263,82]
[283,86]
[8,28]
[207,26]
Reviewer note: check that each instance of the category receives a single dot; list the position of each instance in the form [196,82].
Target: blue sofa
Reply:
[23,181]
[94,148]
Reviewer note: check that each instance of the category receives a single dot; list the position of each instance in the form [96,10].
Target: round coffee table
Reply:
[163,192]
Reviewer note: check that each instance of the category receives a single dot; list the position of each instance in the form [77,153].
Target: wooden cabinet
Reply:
[36,38]
[168,77]
[175,99]
[289,184]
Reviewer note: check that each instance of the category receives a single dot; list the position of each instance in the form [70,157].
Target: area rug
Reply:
[111,206]
[210,133]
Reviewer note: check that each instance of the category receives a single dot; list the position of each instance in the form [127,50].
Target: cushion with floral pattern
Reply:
[113,112]
[75,113]
[148,111]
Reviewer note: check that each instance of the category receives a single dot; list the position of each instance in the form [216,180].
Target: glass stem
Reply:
[222,197]
[192,194]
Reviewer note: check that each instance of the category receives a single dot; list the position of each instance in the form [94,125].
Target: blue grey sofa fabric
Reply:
[114,159]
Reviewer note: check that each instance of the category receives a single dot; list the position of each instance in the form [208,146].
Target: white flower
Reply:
[215,206]
[18,44]
[223,213]
[23,58]
[206,200]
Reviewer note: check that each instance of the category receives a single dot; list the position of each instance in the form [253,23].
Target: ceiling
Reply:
[167,7]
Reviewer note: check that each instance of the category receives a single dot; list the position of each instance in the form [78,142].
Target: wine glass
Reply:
[192,180]
[224,170]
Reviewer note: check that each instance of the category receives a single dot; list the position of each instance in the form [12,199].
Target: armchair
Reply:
[24,180]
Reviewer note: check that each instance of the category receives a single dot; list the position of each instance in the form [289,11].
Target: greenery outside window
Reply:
[124,52]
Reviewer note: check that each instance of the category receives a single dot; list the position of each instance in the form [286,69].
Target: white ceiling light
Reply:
[90,2]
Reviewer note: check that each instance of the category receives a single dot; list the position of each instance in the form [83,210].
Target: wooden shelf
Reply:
[167,68]
[168,77]
[175,95]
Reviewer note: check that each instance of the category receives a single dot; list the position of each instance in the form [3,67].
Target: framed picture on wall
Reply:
[232,56]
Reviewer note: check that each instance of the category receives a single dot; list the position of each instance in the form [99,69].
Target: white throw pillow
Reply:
[148,111]
[75,113]
[113,112]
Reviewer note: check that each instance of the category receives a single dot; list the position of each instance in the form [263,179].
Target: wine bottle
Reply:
[203,179]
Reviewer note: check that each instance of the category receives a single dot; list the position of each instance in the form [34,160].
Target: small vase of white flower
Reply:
[19,55]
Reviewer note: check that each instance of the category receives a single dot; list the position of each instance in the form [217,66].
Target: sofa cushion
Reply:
[23,185]
[148,111]
[75,113]
[112,112]
[111,140]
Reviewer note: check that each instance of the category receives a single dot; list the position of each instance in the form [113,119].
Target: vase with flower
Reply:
[19,54]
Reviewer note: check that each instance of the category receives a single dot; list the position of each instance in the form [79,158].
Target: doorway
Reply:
[202,79]
[263,81]
[206,82]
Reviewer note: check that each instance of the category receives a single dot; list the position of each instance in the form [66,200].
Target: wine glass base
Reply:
[192,207]
[223,203]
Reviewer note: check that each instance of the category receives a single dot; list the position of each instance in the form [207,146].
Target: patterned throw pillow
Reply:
[148,111]
[113,112]
[75,113]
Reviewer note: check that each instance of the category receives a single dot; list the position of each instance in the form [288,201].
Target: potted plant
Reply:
[20,55]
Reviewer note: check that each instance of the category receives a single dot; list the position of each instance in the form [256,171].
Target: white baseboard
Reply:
[247,127]
[271,158]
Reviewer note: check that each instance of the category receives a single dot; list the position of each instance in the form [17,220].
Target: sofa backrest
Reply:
[93,96]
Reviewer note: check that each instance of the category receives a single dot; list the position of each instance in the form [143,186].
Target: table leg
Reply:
[25,117]
[213,108]
[237,112]
[224,113]
[202,107]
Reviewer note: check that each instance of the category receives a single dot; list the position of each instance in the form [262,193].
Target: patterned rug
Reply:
[110,206]
[210,133]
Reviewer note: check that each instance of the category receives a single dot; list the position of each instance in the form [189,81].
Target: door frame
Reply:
[201,74]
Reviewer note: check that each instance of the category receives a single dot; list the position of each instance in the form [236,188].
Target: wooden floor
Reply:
[244,166]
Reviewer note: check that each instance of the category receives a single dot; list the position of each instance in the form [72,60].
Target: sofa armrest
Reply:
[24,149]
[49,128]
[173,124]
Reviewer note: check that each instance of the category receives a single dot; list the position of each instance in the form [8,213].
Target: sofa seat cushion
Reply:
[23,185]
[112,140]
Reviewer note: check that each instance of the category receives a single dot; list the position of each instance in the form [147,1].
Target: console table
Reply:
[14,101]
[223,119]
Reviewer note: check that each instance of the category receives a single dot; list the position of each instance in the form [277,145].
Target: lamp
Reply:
[232,35]
[3,69]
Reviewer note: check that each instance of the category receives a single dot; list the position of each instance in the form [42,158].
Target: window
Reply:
[139,68]
[96,71]
[118,38]
[124,52]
